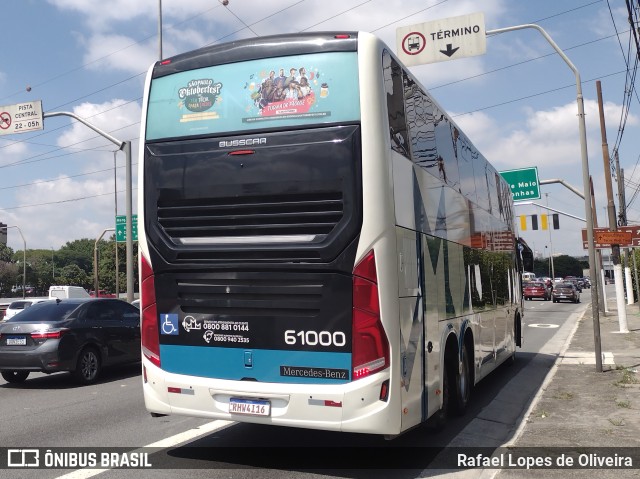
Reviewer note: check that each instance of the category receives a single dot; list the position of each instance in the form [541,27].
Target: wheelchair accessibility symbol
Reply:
[169,324]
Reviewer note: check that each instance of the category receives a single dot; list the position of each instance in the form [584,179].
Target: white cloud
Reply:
[119,52]
[79,204]
[548,139]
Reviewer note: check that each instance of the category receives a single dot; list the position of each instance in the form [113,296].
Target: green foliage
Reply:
[562,266]
[72,274]
[6,253]
[71,265]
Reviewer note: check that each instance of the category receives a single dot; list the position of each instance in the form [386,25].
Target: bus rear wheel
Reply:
[463,383]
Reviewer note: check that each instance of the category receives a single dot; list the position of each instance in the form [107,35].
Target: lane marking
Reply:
[543,325]
[165,443]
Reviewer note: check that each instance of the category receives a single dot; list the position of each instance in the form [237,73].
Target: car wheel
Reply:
[15,377]
[88,366]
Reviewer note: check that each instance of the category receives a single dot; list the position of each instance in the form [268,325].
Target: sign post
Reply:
[21,118]
[524,183]
[121,230]
[441,40]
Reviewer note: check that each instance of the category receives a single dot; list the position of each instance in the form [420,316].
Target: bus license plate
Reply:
[17,341]
[249,407]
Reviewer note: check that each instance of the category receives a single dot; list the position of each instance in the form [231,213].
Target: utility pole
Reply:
[553,270]
[611,212]
[598,281]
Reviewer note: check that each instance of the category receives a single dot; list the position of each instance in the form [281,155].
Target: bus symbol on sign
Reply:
[413,43]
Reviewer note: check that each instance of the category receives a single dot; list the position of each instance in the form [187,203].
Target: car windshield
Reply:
[565,285]
[536,285]
[45,312]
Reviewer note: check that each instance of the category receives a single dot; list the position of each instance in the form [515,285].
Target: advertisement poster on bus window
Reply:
[257,94]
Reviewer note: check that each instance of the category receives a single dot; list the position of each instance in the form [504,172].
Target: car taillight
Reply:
[149,334]
[53,334]
[370,346]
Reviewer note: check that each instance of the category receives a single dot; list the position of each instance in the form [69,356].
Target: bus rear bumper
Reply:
[351,407]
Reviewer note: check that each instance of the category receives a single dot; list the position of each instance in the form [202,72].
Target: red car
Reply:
[536,290]
[102,294]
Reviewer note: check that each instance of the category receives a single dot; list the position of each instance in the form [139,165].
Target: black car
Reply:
[77,335]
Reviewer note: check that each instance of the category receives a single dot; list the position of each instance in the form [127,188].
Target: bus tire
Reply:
[463,383]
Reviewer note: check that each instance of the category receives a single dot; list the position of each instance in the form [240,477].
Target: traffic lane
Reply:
[256,451]
[54,411]
[243,447]
[543,320]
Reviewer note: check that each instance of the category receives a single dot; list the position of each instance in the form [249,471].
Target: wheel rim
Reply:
[89,365]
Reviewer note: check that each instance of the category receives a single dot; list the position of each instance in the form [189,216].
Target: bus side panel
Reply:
[411,329]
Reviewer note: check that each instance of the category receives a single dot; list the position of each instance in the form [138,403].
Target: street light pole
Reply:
[553,270]
[585,179]
[160,29]
[115,200]
[126,147]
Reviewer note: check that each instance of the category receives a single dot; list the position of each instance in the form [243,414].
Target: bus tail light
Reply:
[370,346]
[149,334]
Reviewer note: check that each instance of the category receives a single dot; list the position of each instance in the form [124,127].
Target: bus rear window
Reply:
[266,93]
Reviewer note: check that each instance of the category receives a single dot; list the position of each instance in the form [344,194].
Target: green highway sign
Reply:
[524,183]
[121,228]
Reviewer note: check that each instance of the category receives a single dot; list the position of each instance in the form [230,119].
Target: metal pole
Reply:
[86,123]
[115,201]
[160,29]
[597,282]
[585,179]
[553,270]
[129,228]
[635,268]
[613,225]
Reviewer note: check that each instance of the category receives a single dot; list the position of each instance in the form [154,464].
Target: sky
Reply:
[517,102]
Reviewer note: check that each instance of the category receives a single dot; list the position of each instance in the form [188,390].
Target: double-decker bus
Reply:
[320,245]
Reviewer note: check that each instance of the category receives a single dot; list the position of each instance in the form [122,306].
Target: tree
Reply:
[72,274]
[565,265]
[107,269]
[8,277]
[6,253]
[78,252]
[40,272]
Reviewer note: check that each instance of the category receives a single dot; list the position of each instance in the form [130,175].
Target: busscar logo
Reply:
[242,142]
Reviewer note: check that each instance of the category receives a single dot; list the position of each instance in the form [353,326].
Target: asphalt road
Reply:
[52,411]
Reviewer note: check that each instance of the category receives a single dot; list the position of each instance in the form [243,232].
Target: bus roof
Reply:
[255,48]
